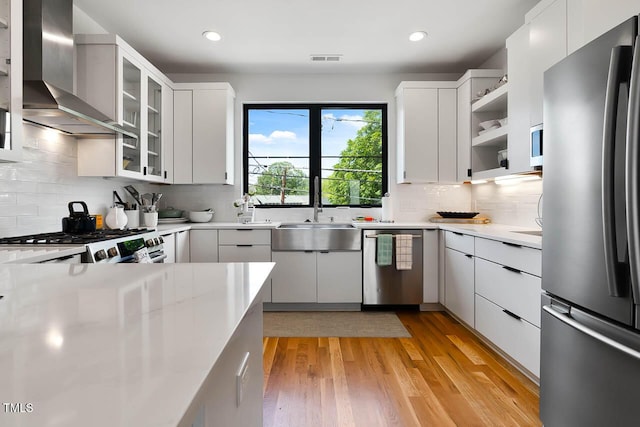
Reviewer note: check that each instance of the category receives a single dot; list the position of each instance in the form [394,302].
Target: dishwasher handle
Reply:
[393,236]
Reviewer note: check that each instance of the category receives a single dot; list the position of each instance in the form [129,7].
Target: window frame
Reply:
[315,144]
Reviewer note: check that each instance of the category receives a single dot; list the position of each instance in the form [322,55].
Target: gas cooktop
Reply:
[61,238]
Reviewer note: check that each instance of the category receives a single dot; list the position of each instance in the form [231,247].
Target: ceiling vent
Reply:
[326,58]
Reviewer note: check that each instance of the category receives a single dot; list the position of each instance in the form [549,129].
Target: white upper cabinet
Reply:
[588,19]
[10,80]
[203,133]
[547,45]
[518,108]
[426,138]
[478,152]
[123,85]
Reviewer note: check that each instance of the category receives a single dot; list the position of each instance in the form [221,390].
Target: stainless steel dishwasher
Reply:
[388,285]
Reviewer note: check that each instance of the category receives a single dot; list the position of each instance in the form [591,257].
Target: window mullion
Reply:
[315,149]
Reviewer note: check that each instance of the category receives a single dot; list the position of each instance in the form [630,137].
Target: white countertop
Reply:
[33,254]
[116,345]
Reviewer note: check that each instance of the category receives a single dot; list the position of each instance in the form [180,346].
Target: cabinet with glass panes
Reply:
[10,80]
[121,83]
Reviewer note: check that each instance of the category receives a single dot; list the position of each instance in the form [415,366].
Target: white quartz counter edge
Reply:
[503,233]
[116,345]
[38,254]
[506,233]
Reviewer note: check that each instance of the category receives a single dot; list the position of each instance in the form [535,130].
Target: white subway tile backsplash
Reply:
[34,193]
[509,204]
[7,199]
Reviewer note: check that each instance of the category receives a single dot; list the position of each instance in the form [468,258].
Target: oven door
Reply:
[155,257]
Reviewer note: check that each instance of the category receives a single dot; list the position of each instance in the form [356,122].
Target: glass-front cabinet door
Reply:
[141,98]
[131,99]
[154,129]
[10,80]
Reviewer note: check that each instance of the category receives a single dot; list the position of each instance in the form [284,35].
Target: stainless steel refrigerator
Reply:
[590,349]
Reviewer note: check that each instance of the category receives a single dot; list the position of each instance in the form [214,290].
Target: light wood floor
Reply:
[442,376]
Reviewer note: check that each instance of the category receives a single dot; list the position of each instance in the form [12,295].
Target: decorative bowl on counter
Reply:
[201,216]
[169,213]
[466,215]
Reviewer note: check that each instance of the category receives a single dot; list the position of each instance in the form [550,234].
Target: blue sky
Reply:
[285,133]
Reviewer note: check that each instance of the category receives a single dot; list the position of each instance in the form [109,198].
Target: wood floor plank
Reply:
[442,376]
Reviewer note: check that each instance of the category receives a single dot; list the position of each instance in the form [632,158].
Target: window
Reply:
[287,145]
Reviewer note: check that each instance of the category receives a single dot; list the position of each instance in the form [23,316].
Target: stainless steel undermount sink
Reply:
[314,236]
[316,225]
[531,232]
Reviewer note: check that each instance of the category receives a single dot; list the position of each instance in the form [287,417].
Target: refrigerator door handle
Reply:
[632,174]
[616,64]
[566,319]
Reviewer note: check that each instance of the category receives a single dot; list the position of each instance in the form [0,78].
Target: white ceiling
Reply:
[280,35]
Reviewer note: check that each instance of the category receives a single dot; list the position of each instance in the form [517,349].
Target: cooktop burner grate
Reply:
[61,238]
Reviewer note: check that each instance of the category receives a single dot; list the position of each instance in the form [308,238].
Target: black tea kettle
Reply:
[78,222]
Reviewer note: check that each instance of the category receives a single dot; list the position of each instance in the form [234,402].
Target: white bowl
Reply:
[488,124]
[200,216]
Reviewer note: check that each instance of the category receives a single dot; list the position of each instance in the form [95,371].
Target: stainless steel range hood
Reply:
[48,98]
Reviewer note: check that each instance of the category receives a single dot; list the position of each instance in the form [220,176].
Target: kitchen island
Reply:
[131,344]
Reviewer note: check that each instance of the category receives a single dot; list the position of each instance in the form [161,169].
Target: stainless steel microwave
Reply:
[535,159]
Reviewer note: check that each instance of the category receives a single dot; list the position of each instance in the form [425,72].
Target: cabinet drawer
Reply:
[518,338]
[244,237]
[516,291]
[459,242]
[244,253]
[520,257]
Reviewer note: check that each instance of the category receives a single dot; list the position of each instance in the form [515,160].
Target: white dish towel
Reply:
[404,252]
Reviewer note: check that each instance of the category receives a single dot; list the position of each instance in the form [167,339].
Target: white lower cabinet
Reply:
[169,248]
[317,277]
[459,285]
[508,288]
[246,245]
[511,289]
[182,251]
[176,246]
[516,337]
[203,245]
[294,277]
[494,287]
[241,253]
[339,276]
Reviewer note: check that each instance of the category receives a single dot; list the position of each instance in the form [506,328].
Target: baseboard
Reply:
[271,306]
[432,306]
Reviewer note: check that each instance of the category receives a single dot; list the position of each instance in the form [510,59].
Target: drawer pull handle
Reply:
[468,256]
[515,245]
[244,246]
[514,270]
[457,234]
[508,313]
[243,229]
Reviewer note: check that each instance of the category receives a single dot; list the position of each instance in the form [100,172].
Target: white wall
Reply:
[379,88]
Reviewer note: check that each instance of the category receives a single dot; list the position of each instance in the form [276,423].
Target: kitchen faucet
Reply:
[317,203]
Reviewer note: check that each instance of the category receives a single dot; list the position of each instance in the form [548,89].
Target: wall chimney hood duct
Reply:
[48,98]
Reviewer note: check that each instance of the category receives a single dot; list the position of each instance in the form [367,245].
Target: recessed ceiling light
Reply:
[212,35]
[417,36]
